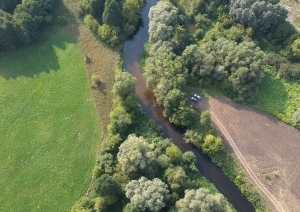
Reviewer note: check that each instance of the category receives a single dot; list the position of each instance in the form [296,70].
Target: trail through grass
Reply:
[48,125]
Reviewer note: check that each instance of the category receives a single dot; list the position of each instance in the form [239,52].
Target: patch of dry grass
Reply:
[102,62]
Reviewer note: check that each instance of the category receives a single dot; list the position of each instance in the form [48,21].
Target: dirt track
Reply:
[268,149]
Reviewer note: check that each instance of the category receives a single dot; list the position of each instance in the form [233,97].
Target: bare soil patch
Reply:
[268,150]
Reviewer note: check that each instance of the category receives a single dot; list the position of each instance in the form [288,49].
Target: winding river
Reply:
[133,50]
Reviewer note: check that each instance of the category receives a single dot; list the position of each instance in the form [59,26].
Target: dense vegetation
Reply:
[49,127]
[138,170]
[22,22]
[111,20]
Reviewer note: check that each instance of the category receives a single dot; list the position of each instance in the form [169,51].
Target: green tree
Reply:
[124,85]
[131,15]
[147,194]
[92,7]
[112,14]
[295,49]
[106,185]
[259,14]
[91,22]
[296,117]
[135,155]
[174,153]
[193,137]
[201,200]
[9,5]
[178,180]
[211,144]
[120,120]
[109,35]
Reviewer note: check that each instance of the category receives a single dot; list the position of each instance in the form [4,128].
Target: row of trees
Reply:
[24,24]
[111,20]
[143,173]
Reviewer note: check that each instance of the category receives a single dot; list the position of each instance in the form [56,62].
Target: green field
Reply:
[48,125]
[278,97]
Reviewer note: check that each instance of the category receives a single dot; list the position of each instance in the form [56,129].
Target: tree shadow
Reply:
[100,87]
[41,57]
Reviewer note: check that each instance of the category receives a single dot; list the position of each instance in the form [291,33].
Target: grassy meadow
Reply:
[48,125]
[278,97]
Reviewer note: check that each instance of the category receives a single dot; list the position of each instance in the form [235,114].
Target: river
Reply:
[133,50]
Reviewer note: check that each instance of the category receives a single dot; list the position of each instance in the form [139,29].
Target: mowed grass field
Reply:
[278,97]
[49,130]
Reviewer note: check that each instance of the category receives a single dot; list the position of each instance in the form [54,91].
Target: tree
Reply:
[124,85]
[174,153]
[147,194]
[295,49]
[135,154]
[237,67]
[259,14]
[198,63]
[164,17]
[92,7]
[193,137]
[131,15]
[172,100]
[106,185]
[201,200]
[130,208]
[296,117]
[120,120]
[91,22]
[212,144]
[177,179]
[9,5]
[112,14]
[109,35]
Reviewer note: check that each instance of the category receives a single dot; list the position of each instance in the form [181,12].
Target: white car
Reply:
[198,97]
[194,99]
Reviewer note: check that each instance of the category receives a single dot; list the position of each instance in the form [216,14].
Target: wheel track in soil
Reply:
[242,160]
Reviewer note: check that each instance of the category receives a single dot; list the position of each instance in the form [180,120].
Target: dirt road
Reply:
[268,149]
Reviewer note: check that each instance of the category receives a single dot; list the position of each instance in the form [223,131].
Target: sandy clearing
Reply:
[268,149]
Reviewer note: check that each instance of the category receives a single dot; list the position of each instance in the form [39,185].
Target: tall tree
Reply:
[201,200]
[259,14]
[135,154]
[112,14]
[147,194]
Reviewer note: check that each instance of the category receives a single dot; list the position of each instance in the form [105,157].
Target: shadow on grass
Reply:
[272,96]
[41,56]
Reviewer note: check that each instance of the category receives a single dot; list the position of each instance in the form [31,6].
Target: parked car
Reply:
[197,96]
[194,99]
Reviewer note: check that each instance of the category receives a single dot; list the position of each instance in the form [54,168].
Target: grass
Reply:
[48,125]
[278,97]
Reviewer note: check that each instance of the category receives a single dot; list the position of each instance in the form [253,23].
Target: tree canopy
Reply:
[135,154]
[259,14]
[201,200]
[147,194]
[24,24]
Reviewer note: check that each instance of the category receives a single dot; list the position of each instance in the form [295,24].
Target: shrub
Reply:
[96,81]
[296,117]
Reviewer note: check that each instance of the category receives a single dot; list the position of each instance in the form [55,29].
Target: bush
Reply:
[96,81]
[212,144]
[91,22]
[109,35]
[296,117]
